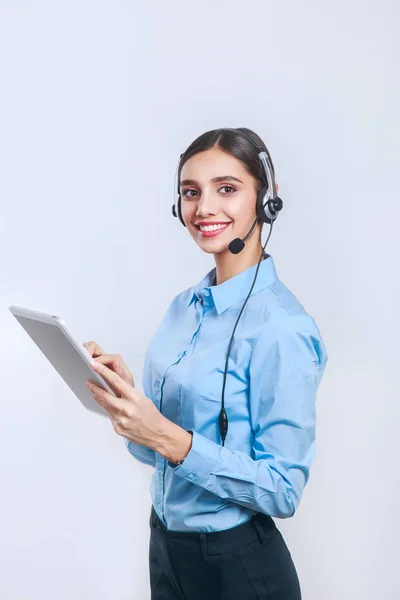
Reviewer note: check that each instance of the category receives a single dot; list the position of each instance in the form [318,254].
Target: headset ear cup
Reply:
[262,210]
[179,211]
[261,198]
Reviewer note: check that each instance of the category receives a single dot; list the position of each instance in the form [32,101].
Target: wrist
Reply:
[174,442]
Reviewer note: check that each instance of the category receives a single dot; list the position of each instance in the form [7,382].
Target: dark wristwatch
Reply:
[180,461]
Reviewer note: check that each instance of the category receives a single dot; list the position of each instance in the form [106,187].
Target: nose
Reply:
[208,204]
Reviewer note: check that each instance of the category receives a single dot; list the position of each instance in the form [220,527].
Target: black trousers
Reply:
[247,562]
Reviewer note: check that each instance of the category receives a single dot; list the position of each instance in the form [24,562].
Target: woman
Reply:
[216,487]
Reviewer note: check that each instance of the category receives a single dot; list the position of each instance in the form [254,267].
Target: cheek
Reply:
[188,208]
[188,215]
[243,211]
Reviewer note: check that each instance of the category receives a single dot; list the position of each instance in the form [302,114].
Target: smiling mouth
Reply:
[212,232]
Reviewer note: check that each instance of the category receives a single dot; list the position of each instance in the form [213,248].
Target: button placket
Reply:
[201,307]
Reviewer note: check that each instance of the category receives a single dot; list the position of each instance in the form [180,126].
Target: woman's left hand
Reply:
[133,415]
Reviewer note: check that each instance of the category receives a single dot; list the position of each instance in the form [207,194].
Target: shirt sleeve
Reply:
[284,377]
[142,453]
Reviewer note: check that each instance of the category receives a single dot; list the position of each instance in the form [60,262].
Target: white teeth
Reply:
[212,227]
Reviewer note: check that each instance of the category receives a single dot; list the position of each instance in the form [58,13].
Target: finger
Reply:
[105,399]
[117,364]
[93,348]
[116,382]
[113,361]
[97,397]
[109,359]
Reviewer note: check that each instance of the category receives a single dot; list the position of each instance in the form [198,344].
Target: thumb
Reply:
[116,366]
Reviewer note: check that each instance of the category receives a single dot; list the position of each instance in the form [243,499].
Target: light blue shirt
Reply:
[275,366]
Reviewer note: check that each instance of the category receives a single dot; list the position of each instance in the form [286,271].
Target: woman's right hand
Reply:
[115,362]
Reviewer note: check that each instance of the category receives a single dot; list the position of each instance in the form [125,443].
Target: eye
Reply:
[227,186]
[185,193]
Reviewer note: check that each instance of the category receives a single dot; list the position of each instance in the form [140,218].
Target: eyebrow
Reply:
[214,180]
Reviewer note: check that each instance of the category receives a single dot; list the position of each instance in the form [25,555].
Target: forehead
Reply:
[212,163]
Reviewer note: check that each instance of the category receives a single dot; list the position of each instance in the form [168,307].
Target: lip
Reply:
[212,233]
[212,223]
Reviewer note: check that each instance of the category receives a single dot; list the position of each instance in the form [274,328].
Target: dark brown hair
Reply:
[232,142]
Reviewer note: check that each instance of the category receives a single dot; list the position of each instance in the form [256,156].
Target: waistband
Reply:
[216,542]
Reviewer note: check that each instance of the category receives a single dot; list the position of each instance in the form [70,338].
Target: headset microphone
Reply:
[267,210]
[237,244]
[273,206]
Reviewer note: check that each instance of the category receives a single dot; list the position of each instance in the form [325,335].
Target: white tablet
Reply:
[69,357]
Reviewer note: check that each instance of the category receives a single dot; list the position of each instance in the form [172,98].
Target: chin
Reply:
[220,248]
[212,245]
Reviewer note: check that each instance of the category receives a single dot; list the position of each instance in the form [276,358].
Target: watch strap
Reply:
[180,461]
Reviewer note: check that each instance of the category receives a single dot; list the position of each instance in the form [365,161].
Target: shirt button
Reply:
[206,293]
[190,475]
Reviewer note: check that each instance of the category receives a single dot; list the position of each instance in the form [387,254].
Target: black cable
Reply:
[223,418]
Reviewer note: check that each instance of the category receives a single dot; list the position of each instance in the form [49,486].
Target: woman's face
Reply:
[215,187]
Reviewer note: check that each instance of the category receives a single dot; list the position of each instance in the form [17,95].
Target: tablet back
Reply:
[68,357]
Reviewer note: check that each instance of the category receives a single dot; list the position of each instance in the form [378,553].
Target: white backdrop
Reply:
[98,99]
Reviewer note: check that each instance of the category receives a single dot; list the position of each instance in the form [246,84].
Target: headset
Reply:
[268,207]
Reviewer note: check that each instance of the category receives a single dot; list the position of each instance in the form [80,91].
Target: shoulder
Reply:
[291,335]
[285,299]
[179,303]
[180,300]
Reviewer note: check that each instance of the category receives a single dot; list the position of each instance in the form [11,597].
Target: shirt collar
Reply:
[236,288]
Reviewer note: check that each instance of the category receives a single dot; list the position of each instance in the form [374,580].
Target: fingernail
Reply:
[94,364]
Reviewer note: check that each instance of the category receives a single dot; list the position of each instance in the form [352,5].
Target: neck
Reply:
[228,265]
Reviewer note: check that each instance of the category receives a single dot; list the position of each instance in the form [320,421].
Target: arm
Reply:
[142,453]
[116,363]
[285,371]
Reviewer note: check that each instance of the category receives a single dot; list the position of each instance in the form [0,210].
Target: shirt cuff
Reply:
[201,460]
